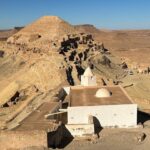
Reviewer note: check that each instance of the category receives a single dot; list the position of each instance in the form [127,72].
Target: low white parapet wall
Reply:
[106,115]
[80,129]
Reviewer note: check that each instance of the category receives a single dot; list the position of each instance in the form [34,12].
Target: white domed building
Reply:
[109,106]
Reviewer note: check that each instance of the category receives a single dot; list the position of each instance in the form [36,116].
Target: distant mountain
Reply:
[5,34]
[87,28]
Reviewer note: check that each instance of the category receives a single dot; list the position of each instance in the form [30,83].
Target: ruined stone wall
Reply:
[22,139]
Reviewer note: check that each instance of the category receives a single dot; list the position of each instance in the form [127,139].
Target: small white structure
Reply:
[88,79]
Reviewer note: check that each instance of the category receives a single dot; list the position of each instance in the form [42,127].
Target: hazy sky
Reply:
[112,14]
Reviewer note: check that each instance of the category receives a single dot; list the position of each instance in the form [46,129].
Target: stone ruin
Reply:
[143,70]
[12,95]
[2,53]
[77,49]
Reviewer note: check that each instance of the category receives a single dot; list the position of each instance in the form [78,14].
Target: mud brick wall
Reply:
[22,139]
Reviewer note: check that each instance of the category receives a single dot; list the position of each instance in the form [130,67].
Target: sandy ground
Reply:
[115,139]
[131,44]
[110,139]
[140,89]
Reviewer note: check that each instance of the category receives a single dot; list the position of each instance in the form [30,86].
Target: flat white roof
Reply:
[85,96]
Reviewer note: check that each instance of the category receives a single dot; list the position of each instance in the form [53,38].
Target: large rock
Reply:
[7,93]
[147,124]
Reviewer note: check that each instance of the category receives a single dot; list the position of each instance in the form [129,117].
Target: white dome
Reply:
[103,93]
[88,72]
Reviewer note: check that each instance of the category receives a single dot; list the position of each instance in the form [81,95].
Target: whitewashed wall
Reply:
[108,115]
[88,81]
[80,129]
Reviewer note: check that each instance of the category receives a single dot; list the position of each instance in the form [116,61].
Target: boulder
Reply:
[2,53]
[147,124]
[140,137]
[7,93]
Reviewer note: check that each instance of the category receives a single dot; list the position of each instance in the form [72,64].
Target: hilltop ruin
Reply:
[38,61]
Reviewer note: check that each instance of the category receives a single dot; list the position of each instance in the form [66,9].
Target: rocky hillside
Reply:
[46,55]
[50,35]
